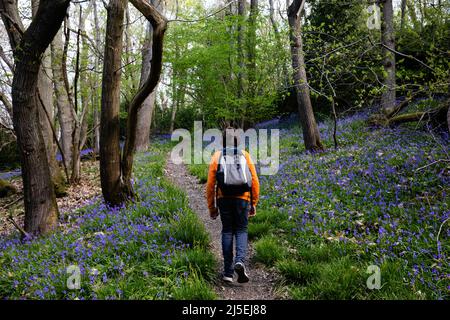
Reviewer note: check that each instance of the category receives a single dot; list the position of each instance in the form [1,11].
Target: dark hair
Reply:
[229,136]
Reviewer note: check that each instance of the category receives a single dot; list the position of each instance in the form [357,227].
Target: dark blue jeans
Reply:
[234,216]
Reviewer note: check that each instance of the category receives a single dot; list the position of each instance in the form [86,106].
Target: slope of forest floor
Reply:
[77,195]
[153,248]
[262,281]
[381,199]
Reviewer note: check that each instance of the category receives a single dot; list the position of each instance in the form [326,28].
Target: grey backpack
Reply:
[233,174]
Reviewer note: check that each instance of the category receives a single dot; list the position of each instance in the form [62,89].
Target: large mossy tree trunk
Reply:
[41,210]
[311,134]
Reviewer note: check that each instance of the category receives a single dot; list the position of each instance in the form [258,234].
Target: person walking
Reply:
[232,191]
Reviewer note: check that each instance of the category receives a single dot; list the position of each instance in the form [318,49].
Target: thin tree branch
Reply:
[55,137]
[7,103]
[21,230]
[205,17]
[8,62]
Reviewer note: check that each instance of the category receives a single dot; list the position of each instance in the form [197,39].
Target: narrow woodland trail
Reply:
[261,285]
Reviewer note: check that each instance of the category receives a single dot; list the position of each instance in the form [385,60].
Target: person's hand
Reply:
[213,213]
[252,211]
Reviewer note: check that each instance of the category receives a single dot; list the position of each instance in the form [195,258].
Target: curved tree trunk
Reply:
[146,111]
[115,172]
[40,204]
[310,129]
[159,25]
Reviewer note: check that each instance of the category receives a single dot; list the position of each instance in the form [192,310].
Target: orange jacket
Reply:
[211,184]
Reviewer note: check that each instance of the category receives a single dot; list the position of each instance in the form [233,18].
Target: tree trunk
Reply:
[129,75]
[159,24]
[310,129]
[40,204]
[174,113]
[402,11]
[412,13]
[388,41]
[279,43]
[79,130]
[110,169]
[146,110]
[65,114]
[240,50]
[46,114]
[175,86]
[97,93]
[251,53]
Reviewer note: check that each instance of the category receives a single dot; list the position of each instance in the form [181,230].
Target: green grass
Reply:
[190,230]
[269,250]
[201,261]
[297,272]
[194,288]
[200,171]
[258,229]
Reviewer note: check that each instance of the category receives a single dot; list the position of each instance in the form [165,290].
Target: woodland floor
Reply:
[77,195]
[262,281]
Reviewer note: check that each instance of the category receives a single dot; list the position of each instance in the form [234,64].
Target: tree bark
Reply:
[159,24]
[175,102]
[46,114]
[146,111]
[80,128]
[65,114]
[240,50]
[251,53]
[278,40]
[412,13]
[311,135]
[131,82]
[39,197]
[388,39]
[96,94]
[402,12]
[175,86]
[110,168]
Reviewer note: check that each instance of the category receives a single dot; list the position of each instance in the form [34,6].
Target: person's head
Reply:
[230,137]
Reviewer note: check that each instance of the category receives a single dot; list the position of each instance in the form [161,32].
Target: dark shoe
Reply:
[239,268]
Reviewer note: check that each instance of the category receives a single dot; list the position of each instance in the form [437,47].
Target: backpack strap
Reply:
[217,185]
[251,177]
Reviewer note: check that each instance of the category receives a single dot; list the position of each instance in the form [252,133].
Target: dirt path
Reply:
[261,285]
